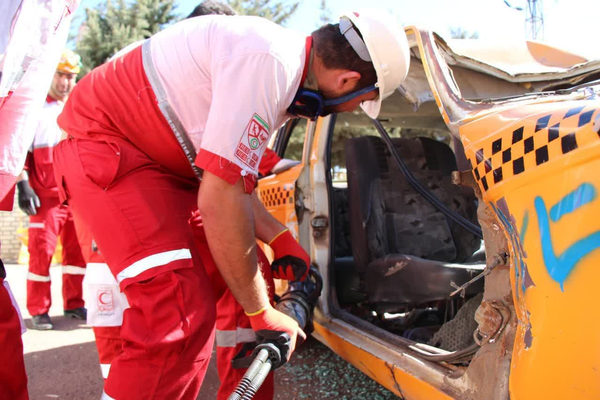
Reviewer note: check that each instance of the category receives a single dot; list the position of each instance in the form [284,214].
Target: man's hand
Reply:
[269,320]
[29,202]
[291,261]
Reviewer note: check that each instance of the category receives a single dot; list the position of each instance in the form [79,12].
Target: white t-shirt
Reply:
[39,163]
[229,80]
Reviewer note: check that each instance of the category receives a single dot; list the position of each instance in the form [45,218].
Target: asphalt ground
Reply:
[63,363]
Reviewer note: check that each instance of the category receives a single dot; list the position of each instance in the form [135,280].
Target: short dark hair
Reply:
[211,7]
[336,53]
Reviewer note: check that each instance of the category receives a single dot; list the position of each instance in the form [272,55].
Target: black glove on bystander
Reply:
[29,202]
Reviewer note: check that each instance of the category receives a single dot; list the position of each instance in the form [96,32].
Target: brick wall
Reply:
[9,241]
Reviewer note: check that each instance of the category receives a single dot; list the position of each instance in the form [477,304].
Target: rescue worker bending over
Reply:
[105,304]
[202,96]
[38,198]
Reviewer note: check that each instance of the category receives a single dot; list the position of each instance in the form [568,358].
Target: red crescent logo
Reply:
[101,301]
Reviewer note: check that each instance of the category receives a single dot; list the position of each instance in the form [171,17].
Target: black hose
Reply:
[414,182]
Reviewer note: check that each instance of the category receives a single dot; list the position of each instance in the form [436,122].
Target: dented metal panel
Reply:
[537,166]
[394,371]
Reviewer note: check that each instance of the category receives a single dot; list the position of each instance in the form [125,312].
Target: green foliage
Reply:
[277,11]
[115,24]
[157,14]
[343,132]
[325,16]
[293,151]
[459,33]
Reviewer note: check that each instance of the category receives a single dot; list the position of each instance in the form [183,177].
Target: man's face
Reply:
[62,85]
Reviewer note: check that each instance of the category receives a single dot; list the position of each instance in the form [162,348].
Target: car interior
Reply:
[396,257]
[402,267]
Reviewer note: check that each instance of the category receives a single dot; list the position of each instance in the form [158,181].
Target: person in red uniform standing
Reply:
[38,198]
[201,98]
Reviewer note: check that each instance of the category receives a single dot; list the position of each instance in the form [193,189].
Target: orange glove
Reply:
[291,261]
[268,320]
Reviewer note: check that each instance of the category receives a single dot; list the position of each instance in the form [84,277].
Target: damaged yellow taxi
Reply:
[458,235]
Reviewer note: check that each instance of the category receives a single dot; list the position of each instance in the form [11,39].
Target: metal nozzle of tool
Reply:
[298,302]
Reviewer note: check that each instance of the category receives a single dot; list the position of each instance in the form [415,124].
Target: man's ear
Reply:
[347,80]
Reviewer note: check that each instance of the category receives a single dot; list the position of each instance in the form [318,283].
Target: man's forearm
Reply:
[266,226]
[228,219]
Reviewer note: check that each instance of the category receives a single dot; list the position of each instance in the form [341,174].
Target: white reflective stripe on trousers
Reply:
[15,305]
[37,278]
[153,261]
[105,396]
[101,265]
[73,270]
[233,338]
[37,225]
[105,369]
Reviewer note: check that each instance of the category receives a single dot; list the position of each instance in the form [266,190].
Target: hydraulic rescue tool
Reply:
[298,302]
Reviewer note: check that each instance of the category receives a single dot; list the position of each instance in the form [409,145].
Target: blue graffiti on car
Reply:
[522,278]
[559,267]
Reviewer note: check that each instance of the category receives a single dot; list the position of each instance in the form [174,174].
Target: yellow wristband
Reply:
[276,236]
[262,310]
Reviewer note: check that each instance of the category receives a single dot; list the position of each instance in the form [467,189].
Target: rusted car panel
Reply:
[526,144]
[376,361]
[541,166]
[533,160]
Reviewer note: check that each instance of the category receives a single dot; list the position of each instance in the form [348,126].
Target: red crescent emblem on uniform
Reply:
[101,300]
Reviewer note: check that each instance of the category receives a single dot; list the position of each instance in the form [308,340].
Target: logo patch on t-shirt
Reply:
[253,139]
[106,302]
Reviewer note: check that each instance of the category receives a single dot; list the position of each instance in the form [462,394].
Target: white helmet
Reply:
[384,44]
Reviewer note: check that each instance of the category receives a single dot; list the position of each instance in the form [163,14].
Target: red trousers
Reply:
[233,327]
[51,220]
[137,213]
[149,206]
[109,345]
[13,380]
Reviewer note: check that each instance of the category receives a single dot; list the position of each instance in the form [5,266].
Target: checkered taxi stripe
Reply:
[553,136]
[276,196]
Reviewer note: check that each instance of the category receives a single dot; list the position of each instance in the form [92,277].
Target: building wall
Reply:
[10,222]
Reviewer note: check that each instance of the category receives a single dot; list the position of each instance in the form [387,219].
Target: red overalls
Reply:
[52,219]
[13,379]
[138,210]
